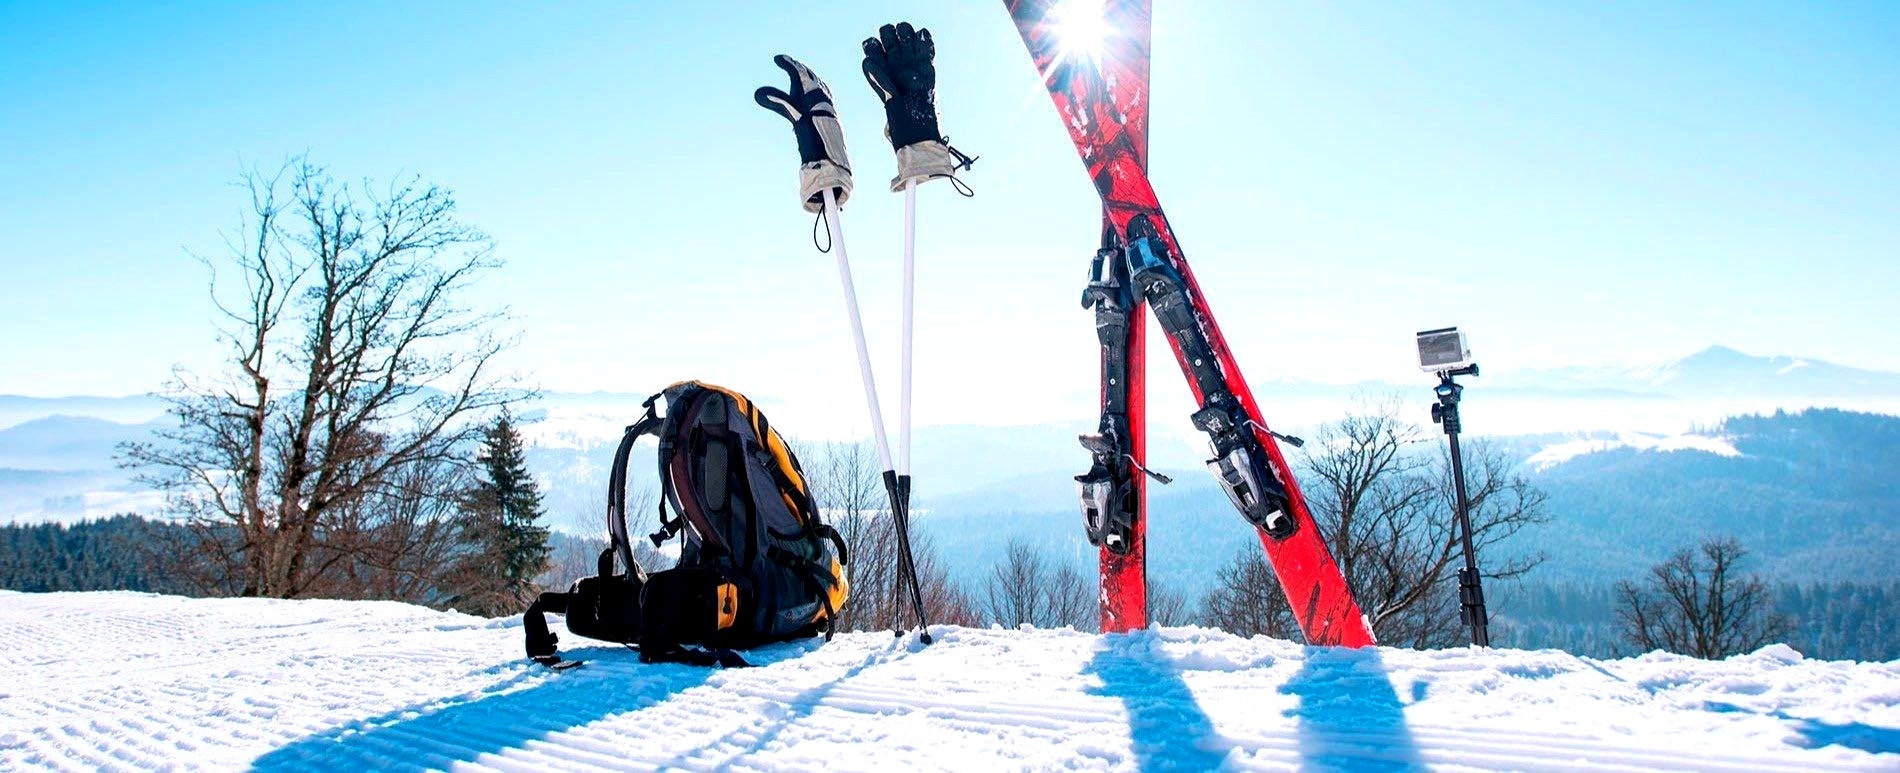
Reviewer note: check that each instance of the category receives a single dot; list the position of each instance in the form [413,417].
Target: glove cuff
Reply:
[921,163]
[819,176]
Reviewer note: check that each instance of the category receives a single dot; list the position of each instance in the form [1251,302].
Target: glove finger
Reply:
[879,76]
[790,66]
[924,42]
[873,48]
[778,102]
[887,34]
[803,79]
[905,34]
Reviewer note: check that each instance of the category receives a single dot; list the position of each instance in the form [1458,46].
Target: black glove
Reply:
[898,63]
[823,164]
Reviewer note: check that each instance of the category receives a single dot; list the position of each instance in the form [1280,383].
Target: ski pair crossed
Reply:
[1093,57]
[899,64]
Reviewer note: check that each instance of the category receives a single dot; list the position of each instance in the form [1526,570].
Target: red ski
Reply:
[1124,567]
[1098,80]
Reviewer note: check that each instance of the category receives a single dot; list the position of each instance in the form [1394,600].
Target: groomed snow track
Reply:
[124,681]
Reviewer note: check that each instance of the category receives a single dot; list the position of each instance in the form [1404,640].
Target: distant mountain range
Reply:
[1717,371]
[1624,451]
[135,409]
[1812,494]
[67,443]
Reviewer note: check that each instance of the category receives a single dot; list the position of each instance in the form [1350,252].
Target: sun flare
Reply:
[1081,28]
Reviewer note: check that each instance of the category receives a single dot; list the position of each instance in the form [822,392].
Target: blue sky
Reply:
[1572,183]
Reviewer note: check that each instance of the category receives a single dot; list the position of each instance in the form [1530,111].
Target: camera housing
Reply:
[1443,350]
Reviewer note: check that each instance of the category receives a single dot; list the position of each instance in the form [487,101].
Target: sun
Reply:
[1081,28]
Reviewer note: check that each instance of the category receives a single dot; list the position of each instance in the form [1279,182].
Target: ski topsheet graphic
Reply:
[1093,55]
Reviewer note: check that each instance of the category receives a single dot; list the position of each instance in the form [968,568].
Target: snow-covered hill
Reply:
[1557,453]
[1717,371]
[138,682]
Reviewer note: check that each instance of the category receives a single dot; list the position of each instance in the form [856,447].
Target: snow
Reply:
[1558,453]
[134,681]
[577,428]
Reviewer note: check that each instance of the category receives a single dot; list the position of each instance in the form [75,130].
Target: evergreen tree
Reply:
[506,548]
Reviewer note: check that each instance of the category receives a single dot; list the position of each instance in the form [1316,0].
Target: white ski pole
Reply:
[906,568]
[910,251]
[857,327]
[823,168]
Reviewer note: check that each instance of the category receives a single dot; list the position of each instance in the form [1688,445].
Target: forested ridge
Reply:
[107,554]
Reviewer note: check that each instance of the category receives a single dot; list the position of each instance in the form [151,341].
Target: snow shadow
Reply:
[1812,733]
[1166,725]
[1853,735]
[1349,715]
[440,733]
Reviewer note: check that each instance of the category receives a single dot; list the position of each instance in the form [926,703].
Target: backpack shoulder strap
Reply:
[680,399]
[648,424]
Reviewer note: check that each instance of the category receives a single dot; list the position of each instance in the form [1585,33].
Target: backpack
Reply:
[756,564]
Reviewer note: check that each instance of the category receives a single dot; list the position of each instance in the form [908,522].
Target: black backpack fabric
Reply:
[756,564]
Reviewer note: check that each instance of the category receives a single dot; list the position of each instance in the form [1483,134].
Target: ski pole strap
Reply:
[964,162]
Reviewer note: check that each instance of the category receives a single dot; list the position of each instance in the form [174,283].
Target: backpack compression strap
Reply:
[693,656]
[541,641]
[815,577]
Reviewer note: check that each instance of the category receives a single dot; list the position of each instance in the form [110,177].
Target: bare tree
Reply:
[405,537]
[354,373]
[1389,512]
[576,557]
[1167,605]
[944,599]
[1699,603]
[1015,589]
[845,486]
[1028,589]
[1247,600]
[572,559]
[1073,599]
